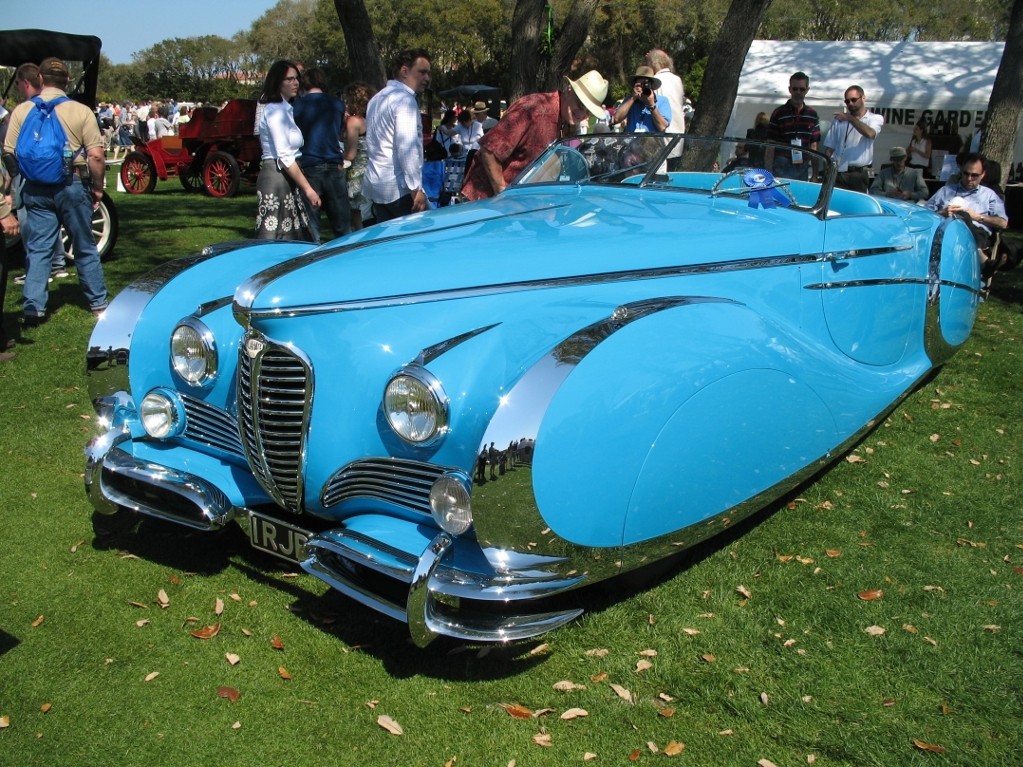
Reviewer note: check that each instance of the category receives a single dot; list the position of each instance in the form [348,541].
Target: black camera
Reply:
[646,92]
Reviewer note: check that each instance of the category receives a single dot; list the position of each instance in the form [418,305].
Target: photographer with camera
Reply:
[644,111]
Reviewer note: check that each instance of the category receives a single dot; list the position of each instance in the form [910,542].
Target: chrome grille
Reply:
[211,426]
[405,483]
[274,393]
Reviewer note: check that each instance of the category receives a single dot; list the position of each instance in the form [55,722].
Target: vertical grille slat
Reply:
[274,397]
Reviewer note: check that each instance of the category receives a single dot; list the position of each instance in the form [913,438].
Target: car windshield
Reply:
[712,166]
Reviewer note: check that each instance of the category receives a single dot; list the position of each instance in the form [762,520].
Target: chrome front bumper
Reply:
[115,480]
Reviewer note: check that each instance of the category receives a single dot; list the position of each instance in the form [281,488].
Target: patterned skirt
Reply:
[280,209]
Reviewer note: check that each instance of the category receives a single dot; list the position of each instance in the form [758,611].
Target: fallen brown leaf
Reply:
[765,763]
[140,605]
[744,591]
[162,599]
[5,721]
[870,595]
[643,665]
[928,746]
[218,607]
[45,708]
[600,676]
[667,713]
[833,553]
[277,643]
[568,686]
[589,756]
[648,653]
[709,658]
[601,653]
[574,713]
[875,631]
[635,754]
[228,692]
[38,622]
[207,632]
[543,739]
[621,692]
[233,659]
[150,677]
[517,710]
[283,673]
[674,748]
[390,725]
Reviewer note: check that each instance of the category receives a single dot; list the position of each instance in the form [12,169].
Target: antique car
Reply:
[82,54]
[212,152]
[461,416]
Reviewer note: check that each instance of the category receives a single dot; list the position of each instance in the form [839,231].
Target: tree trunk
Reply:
[531,69]
[1005,107]
[362,43]
[571,37]
[721,77]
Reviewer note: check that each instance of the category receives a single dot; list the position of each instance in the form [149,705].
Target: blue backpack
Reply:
[40,146]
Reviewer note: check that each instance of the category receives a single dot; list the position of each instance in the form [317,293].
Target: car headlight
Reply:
[416,406]
[193,352]
[450,504]
[162,414]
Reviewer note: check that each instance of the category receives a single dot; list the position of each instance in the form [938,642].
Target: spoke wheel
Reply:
[138,173]
[221,175]
[191,178]
[105,225]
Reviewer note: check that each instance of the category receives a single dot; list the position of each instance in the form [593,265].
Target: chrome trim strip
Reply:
[409,299]
[253,286]
[845,255]
[430,353]
[930,283]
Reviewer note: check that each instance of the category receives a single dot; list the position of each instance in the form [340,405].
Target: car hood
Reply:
[529,238]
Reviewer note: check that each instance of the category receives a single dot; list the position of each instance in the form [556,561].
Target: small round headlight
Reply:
[416,406]
[193,352]
[450,504]
[161,415]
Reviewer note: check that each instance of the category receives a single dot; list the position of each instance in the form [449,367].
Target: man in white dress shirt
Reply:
[394,140]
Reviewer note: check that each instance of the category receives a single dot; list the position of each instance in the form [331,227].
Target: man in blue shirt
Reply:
[321,118]
[644,111]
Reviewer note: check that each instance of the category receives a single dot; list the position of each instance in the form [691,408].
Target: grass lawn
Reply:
[874,619]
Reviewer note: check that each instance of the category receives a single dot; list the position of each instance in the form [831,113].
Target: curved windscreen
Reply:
[715,166]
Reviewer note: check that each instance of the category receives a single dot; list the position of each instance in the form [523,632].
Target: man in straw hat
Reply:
[530,124]
[481,114]
[644,111]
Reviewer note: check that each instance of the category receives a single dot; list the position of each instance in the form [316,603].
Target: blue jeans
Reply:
[783,168]
[59,255]
[48,206]
[331,184]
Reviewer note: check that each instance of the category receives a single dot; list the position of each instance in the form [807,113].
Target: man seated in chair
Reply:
[899,182]
[977,205]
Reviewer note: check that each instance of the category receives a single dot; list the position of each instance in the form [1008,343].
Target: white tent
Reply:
[946,84]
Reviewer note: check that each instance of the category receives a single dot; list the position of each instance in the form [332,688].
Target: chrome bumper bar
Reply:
[115,480]
[434,605]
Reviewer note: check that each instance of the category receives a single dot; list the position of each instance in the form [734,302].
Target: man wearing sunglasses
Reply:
[851,140]
[797,126]
[979,206]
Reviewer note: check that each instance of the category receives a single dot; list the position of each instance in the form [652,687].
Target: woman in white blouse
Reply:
[280,212]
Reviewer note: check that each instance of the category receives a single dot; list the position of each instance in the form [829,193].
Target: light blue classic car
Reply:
[457,416]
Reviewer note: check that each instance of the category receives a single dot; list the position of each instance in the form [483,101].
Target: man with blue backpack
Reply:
[60,154]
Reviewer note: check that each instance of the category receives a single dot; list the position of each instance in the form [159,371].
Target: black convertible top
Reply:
[20,45]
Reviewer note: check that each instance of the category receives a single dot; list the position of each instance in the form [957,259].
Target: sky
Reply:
[128,26]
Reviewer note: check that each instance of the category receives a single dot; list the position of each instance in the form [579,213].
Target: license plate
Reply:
[277,538]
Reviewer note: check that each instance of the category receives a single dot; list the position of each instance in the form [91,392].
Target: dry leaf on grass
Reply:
[875,631]
[690,632]
[744,591]
[643,665]
[162,599]
[140,605]
[621,692]
[150,677]
[283,673]
[928,746]
[674,748]
[765,763]
[5,721]
[277,643]
[45,708]
[601,653]
[600,676]
[870,595]
[233,659]
[574,713]
[218,607]
[992,628]
[517,710]
[833,553]
[543,739]
[207,632]
[709,658]
[667,713]
[38,622]
[589,756]
[390,725]
[568,686]
[143,622]
[228,692]
[648,653]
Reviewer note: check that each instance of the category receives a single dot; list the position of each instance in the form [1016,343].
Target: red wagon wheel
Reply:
[221,175]
[138,173]
[191,178]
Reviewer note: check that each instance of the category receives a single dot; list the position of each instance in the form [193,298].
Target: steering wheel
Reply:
[574,167]
[752,180]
